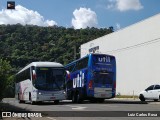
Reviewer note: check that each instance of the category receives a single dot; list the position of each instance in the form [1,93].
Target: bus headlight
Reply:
[64,92]
[40,93]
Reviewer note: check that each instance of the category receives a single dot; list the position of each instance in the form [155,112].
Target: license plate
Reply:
[102,95]
[52,98]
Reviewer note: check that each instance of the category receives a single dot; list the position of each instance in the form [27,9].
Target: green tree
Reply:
[10,87]
[4,76]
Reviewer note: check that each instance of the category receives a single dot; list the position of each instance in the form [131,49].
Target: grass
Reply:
[126,96]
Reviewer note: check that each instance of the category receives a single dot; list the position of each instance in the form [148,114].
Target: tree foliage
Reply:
[24,44]
[4,76]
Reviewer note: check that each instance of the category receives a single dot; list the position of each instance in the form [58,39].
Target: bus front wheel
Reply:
[30,99]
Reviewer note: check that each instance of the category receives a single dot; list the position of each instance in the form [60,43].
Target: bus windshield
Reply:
[102,66]
[49,78]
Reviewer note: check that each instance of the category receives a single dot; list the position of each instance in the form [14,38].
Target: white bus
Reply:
[40,81]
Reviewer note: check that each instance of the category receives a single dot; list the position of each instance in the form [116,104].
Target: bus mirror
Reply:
[33,75]
[68,74]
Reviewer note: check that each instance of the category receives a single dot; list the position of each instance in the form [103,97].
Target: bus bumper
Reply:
[103,93]
[51,96]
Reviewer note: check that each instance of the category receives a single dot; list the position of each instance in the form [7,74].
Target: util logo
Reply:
[79,80]
[104,59]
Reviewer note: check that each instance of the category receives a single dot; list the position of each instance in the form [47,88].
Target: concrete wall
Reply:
[137,51]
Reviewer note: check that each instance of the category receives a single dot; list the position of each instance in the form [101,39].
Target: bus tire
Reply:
[93,100]
[19,100]
[56,102]
[74,99]
[101,100]
[33,102]
[79,99]
[155,100]
[39,102]
[30,99]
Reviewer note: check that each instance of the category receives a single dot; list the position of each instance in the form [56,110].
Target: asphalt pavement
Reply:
[111,109]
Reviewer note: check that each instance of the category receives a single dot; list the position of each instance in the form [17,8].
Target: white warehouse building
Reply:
[137,52]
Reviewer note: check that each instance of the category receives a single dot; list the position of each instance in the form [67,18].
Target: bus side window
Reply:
[82,63]
[71,68]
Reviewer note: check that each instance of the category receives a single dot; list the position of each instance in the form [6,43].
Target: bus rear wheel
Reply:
[93,100]
[56,102]
[101,100]
[19,100]
[33,102]
[74,99]
[155,100]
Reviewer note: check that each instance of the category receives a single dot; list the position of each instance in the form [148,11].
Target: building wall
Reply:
[137,51]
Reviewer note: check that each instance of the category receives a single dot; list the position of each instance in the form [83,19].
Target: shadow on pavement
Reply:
[6,107]
[123,102]
[88,102]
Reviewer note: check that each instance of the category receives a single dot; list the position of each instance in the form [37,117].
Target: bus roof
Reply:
[85,57]
[42,64]
[76,60]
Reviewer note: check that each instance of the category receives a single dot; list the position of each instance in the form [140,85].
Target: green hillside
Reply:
[22,45]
